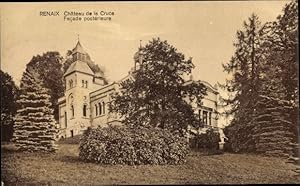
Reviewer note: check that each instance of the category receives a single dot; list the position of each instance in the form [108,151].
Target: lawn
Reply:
[65,168]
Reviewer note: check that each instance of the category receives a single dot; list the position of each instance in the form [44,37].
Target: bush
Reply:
[208,141]
[122,145]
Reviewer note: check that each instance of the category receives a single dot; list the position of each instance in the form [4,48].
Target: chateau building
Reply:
[87,95]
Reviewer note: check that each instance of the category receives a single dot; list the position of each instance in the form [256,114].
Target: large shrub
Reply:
[122,145]
[206,141]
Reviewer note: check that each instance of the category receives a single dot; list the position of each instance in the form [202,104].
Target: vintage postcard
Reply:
[173,92]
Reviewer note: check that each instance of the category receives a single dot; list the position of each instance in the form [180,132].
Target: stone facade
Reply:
[87,94]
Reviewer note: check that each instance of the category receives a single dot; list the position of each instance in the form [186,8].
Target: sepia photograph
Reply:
[148,93]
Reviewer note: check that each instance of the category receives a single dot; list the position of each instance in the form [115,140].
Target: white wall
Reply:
[80,94]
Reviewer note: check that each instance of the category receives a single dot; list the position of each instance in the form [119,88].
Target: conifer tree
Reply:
[277,122]
[49,68]
[273,128]
[285,48]
[244,84]
[35,127]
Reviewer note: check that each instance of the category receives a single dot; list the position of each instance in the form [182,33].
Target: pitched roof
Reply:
[79,66]
[78,48]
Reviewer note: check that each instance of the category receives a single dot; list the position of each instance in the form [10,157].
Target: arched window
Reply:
[66,120]
[72,110]
[71,83]
[100,109]
[84,110]
[96,108]
[103,107]
[204,117]
[209,118]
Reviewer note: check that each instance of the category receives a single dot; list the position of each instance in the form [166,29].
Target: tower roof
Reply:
[79,66]
[78,49]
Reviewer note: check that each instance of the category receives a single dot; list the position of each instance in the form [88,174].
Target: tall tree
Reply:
[273,125]
[285,51]
[8,96]
[277,122]
[244,68]
[35,127]
[157,94]
[49,68]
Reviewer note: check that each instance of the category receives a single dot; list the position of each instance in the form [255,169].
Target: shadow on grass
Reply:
[70,159]
[205,152]
[9,149]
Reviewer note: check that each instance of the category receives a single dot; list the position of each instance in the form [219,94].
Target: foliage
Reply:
[264,88]
[207,141]
[49,68]
[244,67]
[132,146]
[157,94]
[276,129]
[8,96]
[35,127]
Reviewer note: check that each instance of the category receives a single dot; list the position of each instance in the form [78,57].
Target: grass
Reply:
[65,168]
[73,140]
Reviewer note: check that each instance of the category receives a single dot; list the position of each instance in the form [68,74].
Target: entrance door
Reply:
[72,134]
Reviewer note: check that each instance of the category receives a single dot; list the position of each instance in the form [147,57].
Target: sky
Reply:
[202,30]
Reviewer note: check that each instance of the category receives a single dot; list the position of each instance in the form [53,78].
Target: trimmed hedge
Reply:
[206,141]
[122,145]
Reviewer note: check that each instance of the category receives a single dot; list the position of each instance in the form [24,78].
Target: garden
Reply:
[73,164]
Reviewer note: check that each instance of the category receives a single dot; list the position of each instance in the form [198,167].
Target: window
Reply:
[71,83]
[100,109]
[84,110]
[72,109]
[103,107]
[204,118]
[66,120]
[71,99]
[96,108]
[200,120]
[82,83]
[209,118]
[86,84]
